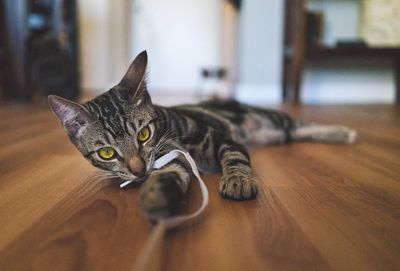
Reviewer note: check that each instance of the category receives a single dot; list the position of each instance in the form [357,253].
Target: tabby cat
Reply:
[122,132]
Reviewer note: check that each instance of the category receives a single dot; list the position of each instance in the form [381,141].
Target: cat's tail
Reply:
[276,127]
[323,133]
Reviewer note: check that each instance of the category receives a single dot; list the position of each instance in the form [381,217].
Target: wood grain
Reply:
[320,207]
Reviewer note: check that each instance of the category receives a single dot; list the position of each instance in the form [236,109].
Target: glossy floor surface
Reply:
[320,207]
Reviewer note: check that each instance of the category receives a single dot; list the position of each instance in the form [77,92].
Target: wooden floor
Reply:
[320,207]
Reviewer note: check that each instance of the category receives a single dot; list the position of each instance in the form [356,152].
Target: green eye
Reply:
[107,153]
[144,134]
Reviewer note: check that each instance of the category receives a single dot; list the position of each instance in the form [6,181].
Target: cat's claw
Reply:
[238,186]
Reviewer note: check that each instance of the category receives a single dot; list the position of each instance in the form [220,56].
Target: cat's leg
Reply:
[162,193]
[323,133]
[237,181]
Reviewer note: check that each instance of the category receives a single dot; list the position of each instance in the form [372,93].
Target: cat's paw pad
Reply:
[238,186]
[160,196]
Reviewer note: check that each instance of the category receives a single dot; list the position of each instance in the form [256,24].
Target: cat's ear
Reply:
[134,77]
[133,84]
[73,116]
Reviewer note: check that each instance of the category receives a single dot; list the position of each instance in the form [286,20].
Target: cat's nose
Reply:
[137,166]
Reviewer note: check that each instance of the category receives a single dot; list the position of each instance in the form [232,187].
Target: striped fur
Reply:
[215,133]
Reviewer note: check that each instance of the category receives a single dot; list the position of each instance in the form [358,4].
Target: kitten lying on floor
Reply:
[122,132]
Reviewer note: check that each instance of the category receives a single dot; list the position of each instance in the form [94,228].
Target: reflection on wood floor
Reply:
[320,207]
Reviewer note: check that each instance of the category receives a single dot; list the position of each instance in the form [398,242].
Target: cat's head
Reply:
[116,131]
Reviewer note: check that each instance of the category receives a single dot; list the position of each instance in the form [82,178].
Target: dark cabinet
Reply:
[39,47]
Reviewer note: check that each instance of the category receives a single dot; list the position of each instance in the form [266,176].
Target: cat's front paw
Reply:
[238,186]
[161,196]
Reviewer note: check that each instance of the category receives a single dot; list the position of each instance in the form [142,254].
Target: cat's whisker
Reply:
[103,175]
[99,175]
[102,178]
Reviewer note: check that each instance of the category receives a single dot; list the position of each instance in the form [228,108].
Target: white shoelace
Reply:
[165,224]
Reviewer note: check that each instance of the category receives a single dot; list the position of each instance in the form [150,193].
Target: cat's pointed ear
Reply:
[73,116]
[134,79]
[136,72]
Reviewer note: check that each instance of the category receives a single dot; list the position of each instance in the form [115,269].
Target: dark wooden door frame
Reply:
[16,42]
[293,50]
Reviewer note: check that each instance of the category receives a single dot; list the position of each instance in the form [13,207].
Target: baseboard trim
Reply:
[259,94]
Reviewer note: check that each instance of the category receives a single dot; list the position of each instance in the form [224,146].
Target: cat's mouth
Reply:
[135,179]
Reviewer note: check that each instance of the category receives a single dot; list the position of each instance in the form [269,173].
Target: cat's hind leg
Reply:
[323,133]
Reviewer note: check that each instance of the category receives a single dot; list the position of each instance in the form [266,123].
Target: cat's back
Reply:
[212,107]
[227,112]
[236,114]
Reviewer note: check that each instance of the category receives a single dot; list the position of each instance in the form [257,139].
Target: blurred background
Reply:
[257,51]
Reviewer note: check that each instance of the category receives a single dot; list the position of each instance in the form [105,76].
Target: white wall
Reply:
[180,37]
[229,47]
[260,51]
[348,82]
[104,36]
[93,27]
